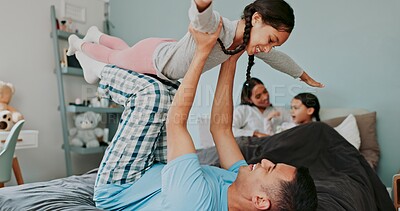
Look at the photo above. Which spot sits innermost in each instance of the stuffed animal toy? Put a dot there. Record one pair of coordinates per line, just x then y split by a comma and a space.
6, 92
6, 122
86, 133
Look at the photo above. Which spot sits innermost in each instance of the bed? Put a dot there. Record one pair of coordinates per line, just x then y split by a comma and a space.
71, 193
365, 128
344, 178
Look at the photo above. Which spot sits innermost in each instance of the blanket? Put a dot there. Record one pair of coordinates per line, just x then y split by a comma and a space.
70, 193
343, 178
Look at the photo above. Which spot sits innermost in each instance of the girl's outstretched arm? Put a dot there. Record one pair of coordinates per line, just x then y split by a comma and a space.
310, 81
283, 63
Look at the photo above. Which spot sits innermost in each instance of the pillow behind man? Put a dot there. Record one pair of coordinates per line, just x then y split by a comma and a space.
366, 123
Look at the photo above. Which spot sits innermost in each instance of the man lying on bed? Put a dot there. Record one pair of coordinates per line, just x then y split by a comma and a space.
182, 184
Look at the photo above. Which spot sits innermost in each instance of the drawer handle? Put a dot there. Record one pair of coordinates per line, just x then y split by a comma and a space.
18, 140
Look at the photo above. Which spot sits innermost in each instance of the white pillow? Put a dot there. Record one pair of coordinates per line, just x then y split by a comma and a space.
349, 130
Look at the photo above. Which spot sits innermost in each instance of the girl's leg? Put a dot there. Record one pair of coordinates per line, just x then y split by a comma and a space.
96, 36
113, 42
138, 58
91, 68
98, 52
75, 44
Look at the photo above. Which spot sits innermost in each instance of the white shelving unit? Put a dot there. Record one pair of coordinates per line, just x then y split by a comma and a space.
58, 35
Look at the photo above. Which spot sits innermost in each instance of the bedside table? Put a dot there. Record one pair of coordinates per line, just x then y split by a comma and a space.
26, 139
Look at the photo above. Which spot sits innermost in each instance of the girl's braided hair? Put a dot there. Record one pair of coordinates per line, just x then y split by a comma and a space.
276, 13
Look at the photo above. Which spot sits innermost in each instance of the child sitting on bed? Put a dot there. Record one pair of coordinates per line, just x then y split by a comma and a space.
265, 24
304, 108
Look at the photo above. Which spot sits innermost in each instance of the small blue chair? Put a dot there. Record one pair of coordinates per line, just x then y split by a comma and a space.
7, 153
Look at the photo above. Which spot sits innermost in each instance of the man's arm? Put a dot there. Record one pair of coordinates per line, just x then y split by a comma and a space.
179, 141
221, 116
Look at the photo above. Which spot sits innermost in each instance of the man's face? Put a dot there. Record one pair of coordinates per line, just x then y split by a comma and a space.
266, 174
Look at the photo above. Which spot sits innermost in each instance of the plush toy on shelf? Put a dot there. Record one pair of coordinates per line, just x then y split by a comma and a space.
9, 114
86, 133
6, 122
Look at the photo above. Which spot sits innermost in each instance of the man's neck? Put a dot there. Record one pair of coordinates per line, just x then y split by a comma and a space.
237, 200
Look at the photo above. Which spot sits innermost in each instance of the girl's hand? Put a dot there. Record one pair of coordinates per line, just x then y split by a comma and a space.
273, 114
259, 135
310, 81
205, 41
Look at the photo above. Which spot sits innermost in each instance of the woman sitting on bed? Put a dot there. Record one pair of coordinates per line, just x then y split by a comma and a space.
249, 118
256, 116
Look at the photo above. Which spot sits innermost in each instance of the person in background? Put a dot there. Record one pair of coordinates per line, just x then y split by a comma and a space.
304, 108
256, 116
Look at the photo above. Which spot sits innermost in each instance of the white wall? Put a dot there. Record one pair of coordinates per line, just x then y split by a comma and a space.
28, 62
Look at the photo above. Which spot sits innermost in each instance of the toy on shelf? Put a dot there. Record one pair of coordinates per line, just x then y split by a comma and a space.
9, 115
86, 133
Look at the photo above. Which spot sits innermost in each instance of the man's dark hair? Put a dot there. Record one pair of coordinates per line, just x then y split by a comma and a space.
299, 194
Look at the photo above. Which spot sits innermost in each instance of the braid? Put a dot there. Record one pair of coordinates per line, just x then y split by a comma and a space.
230, 52
248, 71
248, 13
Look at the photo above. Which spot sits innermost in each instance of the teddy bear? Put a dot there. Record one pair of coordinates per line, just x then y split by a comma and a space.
6, 122
86, 133
6, 92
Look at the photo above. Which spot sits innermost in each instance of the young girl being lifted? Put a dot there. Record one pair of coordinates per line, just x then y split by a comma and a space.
264, 25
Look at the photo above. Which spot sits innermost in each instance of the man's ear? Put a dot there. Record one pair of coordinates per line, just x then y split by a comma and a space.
310, 111
261, 202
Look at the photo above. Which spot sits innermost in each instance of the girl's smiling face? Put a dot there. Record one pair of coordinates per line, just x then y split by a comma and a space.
264, 37
260, 96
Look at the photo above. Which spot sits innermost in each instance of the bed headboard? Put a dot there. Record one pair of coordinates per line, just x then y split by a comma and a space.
329, 113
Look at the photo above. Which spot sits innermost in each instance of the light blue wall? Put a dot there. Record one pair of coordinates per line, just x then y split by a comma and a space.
351, 46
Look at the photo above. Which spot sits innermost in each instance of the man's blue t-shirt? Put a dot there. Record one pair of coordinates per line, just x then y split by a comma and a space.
182, 184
